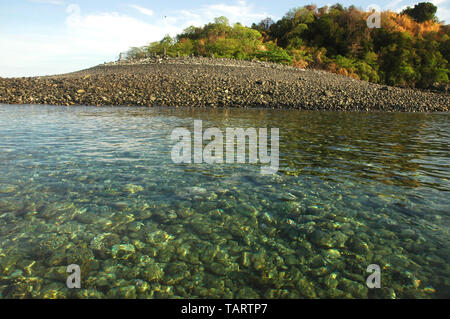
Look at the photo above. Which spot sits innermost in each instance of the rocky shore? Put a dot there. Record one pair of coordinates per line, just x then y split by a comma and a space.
203, 82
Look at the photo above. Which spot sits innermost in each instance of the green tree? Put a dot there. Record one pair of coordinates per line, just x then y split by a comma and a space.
136, 53
222, 21
264, 25
422, 12
431, 66
274, 53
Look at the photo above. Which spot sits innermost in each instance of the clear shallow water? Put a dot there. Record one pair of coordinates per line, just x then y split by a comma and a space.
96, 187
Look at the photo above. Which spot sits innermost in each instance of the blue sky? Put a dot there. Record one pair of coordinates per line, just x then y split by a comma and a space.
41, 37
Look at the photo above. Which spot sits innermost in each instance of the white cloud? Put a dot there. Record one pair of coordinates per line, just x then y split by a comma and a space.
394, 5
111, 33
55, 2
443, 11
443, 14
241, 12
84, 41
439, 2
142, 10
88, 39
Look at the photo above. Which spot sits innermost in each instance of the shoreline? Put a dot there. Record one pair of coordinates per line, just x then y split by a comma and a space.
213, 83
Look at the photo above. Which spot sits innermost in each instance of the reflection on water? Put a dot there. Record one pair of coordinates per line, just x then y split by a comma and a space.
96, 187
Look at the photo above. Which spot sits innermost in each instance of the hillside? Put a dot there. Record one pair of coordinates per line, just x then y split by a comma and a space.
410, 49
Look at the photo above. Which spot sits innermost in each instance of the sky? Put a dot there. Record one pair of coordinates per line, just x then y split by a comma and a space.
44, 37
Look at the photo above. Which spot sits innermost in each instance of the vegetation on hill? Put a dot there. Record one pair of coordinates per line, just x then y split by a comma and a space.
410, 49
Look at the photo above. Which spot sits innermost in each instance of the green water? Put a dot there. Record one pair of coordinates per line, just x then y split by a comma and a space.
97, 187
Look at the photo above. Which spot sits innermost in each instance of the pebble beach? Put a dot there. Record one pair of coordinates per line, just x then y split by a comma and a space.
206, 82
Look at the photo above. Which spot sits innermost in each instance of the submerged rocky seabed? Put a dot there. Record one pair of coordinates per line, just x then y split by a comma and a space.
96, 187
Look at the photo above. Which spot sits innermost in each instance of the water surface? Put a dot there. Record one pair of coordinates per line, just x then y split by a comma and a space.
96, 187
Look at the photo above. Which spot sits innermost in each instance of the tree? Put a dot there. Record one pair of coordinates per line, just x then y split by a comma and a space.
222, 21
274, 54
424, 11
264, 25
136, 53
